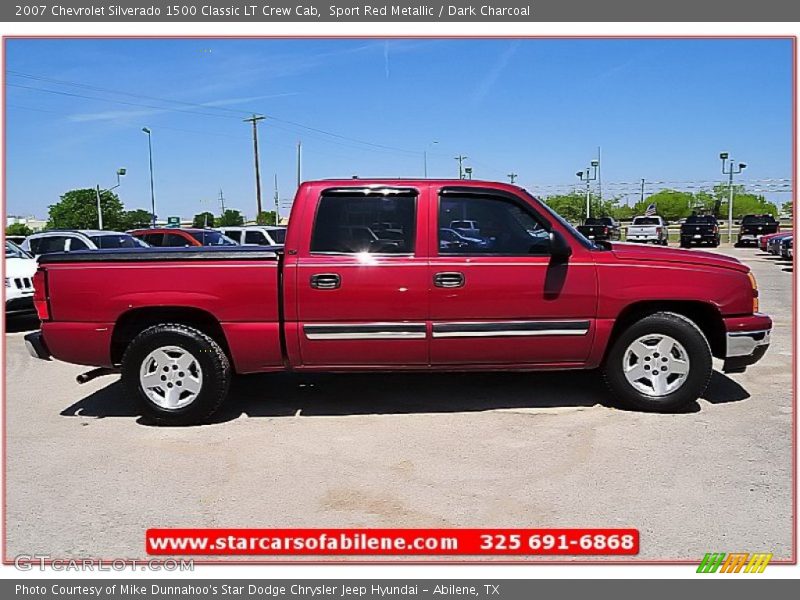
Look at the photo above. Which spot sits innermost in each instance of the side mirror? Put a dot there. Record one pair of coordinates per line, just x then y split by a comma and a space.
559, 248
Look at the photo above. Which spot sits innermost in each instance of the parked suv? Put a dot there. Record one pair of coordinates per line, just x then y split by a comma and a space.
256, 235
20, 269
181, 238
70, 240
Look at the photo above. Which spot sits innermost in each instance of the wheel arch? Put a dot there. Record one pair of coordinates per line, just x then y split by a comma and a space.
705, 315
132, 322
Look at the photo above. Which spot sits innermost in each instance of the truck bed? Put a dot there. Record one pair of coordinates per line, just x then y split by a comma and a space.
238, 287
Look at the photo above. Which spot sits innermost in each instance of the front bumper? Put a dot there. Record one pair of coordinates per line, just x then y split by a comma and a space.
745, 347
34, 342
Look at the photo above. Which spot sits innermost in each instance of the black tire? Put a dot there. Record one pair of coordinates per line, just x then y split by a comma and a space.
698, 351
686, 244
214, 369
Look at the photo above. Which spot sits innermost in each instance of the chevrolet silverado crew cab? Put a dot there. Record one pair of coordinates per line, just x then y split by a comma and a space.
344, 295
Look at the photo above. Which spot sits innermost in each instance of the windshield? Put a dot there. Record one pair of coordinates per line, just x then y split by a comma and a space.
117, 240
279, 235
647, 221
212, 238
14, 251
707, 219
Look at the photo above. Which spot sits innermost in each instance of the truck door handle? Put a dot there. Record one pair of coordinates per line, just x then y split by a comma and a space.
448, 280
326, 281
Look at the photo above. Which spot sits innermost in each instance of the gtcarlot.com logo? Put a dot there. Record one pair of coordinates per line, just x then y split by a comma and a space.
42, 562
735, 562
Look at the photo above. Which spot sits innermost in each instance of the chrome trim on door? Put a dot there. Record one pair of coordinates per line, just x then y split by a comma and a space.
509, 328
365, 331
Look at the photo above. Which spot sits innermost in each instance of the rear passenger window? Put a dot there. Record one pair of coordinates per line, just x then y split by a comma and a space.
154, 239
77, 244
256, 237
346, 223
176, 241
236, 236
48, 245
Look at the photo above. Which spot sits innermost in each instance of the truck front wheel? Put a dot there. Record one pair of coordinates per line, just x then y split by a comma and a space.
178, 374
661, 363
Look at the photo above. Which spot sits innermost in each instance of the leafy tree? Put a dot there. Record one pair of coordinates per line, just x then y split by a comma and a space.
570, 206
622, 212
77, 209
267, 217
137, 219
19, 229
788, 207
670, 204
204, 219
231, 218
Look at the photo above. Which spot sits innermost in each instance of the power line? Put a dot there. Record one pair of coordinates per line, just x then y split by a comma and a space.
236, 113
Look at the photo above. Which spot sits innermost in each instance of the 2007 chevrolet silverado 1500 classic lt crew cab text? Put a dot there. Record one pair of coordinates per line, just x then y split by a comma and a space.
346, 296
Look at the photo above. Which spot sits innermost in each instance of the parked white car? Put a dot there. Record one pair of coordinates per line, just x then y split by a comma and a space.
48, 242
650, 230
20, 268
256, 235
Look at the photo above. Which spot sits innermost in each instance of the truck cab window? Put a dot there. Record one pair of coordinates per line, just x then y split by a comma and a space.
475, 225
355, 223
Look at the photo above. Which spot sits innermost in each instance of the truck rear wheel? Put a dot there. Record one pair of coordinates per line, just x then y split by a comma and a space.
661, 363
178, 374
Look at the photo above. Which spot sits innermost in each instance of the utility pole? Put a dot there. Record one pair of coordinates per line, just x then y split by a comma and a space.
460, 158
254, 120
221, 202
299, 162
512, 177
277, 204
599, 180
642, 194
730, 172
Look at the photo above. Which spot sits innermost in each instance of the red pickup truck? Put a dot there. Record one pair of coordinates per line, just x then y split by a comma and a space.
368, 281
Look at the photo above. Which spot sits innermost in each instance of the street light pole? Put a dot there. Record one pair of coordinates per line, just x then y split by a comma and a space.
731, 170
120, 173
588, 176
425, 158
152, 188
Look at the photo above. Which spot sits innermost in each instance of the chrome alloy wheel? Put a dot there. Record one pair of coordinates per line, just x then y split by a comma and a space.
656, 364
171, 377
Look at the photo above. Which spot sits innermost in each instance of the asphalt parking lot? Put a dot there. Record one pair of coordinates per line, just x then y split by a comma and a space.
86, 477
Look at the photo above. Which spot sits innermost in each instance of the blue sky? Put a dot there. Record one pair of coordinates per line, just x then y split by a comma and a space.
660, 109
